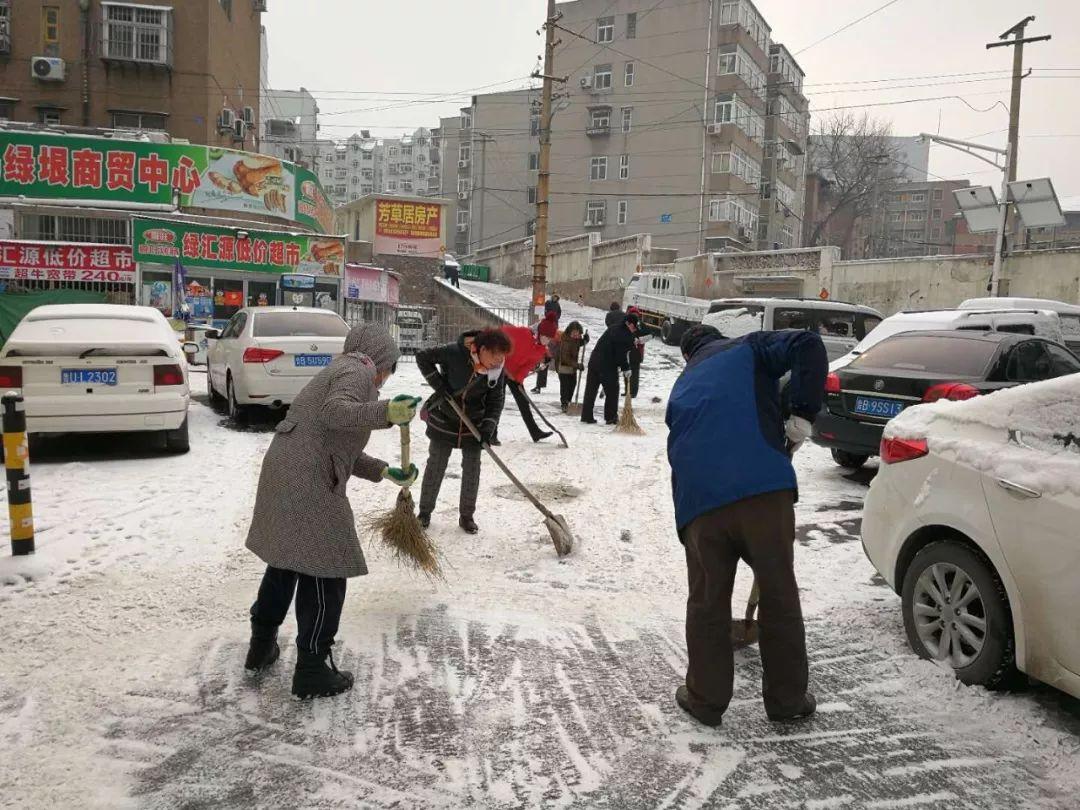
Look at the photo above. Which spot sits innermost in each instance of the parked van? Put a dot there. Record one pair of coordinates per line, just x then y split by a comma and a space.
841, 325
1044, 323
1069, 314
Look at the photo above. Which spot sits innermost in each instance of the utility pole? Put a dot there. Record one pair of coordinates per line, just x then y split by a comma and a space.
484, 138
1017, 44
543, 186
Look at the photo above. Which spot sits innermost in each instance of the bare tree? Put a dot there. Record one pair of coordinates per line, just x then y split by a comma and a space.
858, 164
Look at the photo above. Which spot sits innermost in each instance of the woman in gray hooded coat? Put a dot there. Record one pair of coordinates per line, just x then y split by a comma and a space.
303, 526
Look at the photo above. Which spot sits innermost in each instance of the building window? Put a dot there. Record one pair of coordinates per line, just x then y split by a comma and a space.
340, 174
624, 167
602, 77
391, 185
918, 197
56, 228
631, 25
49, 116
896, 216
594, 212
628, 75
328, 174
340, 190
355, 181
7, 108
50, 30
939, 194
598, 168
366, 189
366, 156
742, 13
406, 151
464, 185
627, 118
464, 152
393, 151
462, 220
605, 29
466, 119
936, 232
534, 161
406, 185
620, 216
730, 109
917, 216
733, 209
600, 118
226, 6
534, 125
936, 213
734, 61
125, 119
137, 33
531, 195
5, 26
737, 162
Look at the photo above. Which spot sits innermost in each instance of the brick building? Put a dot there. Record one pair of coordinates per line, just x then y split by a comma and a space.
151, 65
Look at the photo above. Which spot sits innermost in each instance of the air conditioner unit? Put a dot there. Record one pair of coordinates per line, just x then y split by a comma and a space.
586, 82
594, 224
715, 129
47, 68
463, 164
249, 116
227, 120
462, 227
239, 130
258, 6
463, 195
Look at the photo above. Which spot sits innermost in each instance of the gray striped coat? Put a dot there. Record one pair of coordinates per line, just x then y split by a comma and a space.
303, 521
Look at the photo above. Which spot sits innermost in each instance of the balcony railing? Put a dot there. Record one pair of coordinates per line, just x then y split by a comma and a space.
598, 130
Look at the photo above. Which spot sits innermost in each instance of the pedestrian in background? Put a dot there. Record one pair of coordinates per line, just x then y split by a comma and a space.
471, 373
553, 305
452, 271
568, 361
614, 316
609, 358
303, 527
734, 489
546, 332
637, 356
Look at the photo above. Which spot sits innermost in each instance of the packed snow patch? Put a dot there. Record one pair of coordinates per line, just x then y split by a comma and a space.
734, 323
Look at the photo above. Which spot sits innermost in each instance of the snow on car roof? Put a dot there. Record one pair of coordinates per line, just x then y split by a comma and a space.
119, 312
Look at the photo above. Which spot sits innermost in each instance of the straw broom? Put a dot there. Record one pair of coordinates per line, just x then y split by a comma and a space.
627, 423
400, 529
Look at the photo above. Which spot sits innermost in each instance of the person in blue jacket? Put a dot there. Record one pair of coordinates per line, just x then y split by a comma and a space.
734, 487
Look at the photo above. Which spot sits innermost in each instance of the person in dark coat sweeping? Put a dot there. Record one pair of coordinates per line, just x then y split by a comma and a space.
303, 527
471, 372
614, 316
734, 488
568, 361
609, 358
637, 356
553, 305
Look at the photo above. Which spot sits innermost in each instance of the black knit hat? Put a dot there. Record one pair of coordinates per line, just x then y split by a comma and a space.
697, 336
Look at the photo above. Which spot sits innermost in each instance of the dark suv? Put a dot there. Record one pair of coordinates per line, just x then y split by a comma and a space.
916, 367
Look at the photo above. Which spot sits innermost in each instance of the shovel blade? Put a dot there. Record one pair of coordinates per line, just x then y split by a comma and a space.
561, 535
744, 632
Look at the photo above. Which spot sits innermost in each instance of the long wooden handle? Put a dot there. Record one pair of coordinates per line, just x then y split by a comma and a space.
506, 470
405, 442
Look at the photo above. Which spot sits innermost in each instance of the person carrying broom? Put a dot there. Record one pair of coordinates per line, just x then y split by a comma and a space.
303, 527
734, 489
610, 356
568, 361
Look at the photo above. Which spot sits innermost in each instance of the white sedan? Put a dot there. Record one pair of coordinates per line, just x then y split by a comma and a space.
974, 519
266, 355
99, 368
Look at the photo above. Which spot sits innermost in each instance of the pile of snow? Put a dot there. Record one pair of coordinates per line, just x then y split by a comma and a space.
1043, 418
734, 323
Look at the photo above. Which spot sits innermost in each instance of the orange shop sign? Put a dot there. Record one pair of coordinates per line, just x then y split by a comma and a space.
404, 227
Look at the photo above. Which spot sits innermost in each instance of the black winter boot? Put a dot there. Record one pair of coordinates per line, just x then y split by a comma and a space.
263, 649
424, 518
313, 678
468, 524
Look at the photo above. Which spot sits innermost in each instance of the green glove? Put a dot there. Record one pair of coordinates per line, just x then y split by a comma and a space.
402, 409
398, 476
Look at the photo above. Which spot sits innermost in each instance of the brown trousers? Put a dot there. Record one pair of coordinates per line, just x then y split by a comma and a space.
761, 531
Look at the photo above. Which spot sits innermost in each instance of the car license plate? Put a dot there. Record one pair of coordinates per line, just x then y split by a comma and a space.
312, 360
88, 376
872, 406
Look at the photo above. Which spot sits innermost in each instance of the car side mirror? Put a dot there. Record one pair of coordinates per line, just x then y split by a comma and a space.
212, 334
190, 349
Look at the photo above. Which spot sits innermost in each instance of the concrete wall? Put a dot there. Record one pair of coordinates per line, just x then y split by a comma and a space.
757, 273
459, 311
416, 275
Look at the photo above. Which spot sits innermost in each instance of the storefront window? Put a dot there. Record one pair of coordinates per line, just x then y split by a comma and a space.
157, 292
326, 296
228, 298
261, 293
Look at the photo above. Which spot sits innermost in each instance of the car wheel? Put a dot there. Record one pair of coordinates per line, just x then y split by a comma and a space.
176, 441
670, 332
211, 392
237, 412
849, 461
956, 612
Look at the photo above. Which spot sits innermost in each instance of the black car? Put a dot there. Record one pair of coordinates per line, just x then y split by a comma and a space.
915, 367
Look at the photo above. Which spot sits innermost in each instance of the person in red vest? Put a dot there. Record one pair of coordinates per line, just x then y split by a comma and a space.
547, 331
520, 363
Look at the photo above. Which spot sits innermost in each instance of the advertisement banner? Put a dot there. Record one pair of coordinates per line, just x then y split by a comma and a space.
405, 228
163, 241
366, 283
65, 261
85, 168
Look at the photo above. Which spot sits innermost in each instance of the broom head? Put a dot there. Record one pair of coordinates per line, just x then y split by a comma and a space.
627, 423
401, 532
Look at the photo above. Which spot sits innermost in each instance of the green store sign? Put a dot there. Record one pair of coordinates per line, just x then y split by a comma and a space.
165, 241
81, 168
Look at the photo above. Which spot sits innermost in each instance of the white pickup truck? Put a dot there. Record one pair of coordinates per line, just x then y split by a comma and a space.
664, 304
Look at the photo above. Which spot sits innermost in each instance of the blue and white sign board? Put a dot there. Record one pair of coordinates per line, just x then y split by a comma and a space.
665, 218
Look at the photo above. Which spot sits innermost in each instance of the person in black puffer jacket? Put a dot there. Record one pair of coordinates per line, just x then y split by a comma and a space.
471, 372
610, 357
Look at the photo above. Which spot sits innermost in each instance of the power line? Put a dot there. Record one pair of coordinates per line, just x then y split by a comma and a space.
843, 28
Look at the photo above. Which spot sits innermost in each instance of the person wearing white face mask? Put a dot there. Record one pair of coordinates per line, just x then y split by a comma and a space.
471, 372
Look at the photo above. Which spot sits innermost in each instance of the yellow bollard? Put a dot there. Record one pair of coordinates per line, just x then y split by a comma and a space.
17, 466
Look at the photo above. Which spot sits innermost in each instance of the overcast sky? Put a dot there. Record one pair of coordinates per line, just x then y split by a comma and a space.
361, 57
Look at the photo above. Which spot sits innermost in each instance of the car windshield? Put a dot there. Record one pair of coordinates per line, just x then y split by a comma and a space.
299, 324
935, 354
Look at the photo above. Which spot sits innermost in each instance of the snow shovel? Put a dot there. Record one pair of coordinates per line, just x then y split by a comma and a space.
543, 418
574, 408
559, 529
744, 632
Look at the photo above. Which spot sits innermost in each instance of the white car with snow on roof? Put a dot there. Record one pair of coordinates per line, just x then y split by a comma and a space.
973, 519
99, 368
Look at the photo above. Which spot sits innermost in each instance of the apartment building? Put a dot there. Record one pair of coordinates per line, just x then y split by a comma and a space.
363, 165
914, 219
148, 65
784, 167
289, 126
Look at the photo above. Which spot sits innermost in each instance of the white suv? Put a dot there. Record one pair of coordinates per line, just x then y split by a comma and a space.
266, 355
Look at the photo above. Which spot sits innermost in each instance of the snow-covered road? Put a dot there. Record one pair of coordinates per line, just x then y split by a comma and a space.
523, 681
